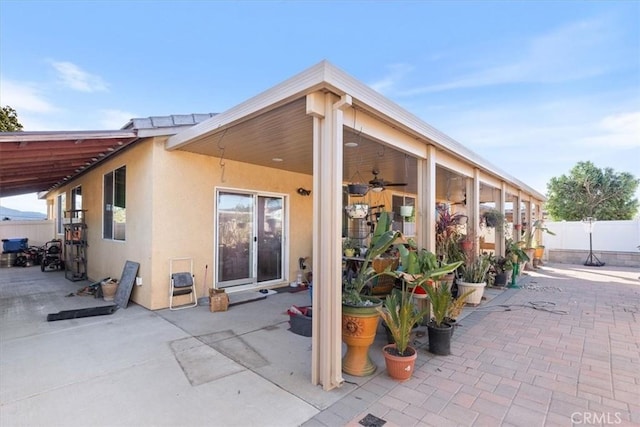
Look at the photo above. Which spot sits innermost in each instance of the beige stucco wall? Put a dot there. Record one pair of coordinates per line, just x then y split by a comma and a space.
170, 214
106, 258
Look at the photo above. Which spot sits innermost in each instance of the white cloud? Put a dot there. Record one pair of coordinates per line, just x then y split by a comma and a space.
24, 97
575, 51
76, 78
115, 119
397, 73
617, 130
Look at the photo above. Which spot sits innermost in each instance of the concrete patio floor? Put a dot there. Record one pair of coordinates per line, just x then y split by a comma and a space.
562, 350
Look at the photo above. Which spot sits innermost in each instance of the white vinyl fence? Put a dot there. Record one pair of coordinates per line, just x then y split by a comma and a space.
614, 242
38, 232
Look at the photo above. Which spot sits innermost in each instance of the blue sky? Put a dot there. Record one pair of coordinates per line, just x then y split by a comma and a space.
534, 87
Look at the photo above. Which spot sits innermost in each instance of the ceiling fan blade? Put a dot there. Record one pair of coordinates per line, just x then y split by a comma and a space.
395, 184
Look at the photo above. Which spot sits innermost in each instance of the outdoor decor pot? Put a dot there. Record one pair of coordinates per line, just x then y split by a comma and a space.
357, 189
357, 210
440, 338
399, 367
501, 279
359, 326
406, 211
475, 297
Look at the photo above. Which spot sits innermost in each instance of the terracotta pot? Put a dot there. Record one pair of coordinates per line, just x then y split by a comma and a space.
359, 326
399, 367
466, 245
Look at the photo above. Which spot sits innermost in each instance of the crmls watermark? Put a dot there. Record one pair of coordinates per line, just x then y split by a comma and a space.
604, 418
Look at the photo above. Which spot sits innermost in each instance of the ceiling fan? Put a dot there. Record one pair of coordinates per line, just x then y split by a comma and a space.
379, 184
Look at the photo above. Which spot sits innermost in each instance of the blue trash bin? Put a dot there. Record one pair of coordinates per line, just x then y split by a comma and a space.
14, 245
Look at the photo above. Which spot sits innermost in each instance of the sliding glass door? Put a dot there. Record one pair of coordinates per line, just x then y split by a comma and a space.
249, 233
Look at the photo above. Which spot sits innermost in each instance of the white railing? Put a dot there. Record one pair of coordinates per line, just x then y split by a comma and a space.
38, 232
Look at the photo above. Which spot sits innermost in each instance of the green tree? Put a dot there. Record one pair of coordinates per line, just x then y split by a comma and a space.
591, 192
9, 120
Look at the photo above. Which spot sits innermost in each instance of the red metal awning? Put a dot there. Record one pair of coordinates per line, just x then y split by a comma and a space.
40, 161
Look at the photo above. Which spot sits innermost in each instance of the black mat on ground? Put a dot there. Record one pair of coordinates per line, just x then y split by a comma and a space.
290, 289
82, 312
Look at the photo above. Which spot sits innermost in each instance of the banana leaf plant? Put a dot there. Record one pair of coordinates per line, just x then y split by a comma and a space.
399, 312
382, 240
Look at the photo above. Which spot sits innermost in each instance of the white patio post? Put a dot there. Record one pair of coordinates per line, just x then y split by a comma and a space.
326, 362
500, 205
473, 207
427, 200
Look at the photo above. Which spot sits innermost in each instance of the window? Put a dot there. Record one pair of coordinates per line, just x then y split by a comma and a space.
114, 209
76, 198
62, 206
404, 221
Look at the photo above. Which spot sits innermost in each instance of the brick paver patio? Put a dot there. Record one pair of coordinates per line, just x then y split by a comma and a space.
563, 350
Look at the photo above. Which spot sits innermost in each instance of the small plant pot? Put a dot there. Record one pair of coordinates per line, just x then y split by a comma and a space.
109, 289
406, 211
439, 339
453, 323
357, 210
399, 367
501, 279
357, 189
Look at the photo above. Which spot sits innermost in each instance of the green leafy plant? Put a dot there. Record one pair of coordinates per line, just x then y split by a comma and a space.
441, 299
418, 269
531, 232
494, 218
475, 271
382, 240
502, 264
515, 252
448, 235
457, 304
400, 315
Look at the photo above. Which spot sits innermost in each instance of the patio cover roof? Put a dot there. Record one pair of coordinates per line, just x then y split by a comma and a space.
41, 161
38, 161
276, 125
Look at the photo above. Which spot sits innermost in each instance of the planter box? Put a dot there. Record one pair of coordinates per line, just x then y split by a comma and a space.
476, 297
301, 323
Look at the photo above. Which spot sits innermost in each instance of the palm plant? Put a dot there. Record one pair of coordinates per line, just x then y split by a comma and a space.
476, 270
399, 312
441, 299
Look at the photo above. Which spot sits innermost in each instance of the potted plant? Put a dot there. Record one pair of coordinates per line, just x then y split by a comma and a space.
517, 256
502, 267
474, 276
400, 316
448, 236
419, 271
359, 312
438, 329
529, 238
455, 309
349, 247
493, 218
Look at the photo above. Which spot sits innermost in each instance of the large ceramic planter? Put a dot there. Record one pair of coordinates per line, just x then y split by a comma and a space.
440, 338
475, 297
399, 367
359, 326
